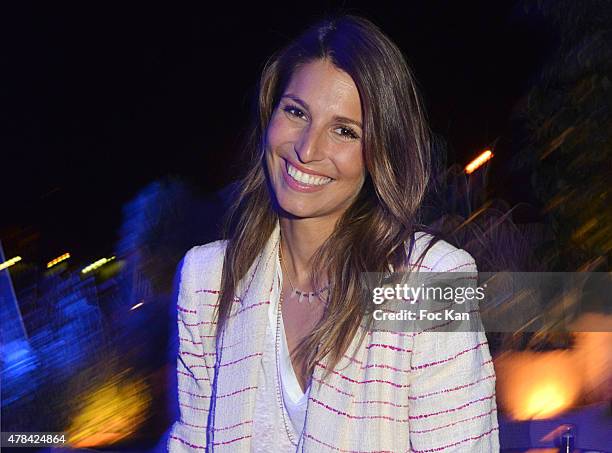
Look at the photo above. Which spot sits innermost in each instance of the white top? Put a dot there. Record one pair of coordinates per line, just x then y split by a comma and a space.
295, 400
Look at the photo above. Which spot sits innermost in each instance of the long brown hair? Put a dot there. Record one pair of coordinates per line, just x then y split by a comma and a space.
396, 147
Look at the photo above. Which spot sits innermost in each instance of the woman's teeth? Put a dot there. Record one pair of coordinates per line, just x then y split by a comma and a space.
304, 178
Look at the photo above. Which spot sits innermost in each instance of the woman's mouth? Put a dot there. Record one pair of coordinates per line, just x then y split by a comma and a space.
304, 182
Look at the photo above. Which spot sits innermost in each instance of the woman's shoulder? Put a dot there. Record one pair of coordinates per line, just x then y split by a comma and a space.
204, 260
441, 257
206, 253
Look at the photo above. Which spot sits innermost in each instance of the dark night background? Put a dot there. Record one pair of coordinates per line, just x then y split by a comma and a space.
100, 100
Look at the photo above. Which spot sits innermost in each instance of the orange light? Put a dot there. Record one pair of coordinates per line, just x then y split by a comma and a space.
110, 413
537, 385
479, 161
57, 260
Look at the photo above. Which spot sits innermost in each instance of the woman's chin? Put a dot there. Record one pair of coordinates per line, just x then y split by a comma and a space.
300, 213
297, 209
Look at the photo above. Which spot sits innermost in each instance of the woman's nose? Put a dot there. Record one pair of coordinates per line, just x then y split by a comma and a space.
309, 147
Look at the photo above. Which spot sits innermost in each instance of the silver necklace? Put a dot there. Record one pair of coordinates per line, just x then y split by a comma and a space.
294, 290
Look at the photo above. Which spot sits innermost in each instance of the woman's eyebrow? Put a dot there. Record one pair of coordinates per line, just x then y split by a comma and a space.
342, 119
297, 99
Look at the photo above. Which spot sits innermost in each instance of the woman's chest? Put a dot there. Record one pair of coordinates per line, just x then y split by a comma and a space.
299, 319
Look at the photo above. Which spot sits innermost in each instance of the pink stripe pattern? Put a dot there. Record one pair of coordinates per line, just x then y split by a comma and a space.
387, 346
437, 428
356, 417
449, 390
454, 409
375, 365
366, 381
311, 437
184, 442
468, 439
438, 362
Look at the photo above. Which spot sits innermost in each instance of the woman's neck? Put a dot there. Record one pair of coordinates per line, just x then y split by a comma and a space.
300, 240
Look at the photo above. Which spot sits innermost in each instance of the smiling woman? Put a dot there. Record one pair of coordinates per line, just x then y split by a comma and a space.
313, 149
340, 164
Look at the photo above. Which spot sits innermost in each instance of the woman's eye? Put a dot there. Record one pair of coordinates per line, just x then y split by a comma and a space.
294, 111
348, 133
345, 132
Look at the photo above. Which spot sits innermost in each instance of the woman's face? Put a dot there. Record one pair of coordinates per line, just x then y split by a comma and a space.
314, 143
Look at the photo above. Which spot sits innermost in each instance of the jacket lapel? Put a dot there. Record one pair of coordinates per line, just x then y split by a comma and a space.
241, 350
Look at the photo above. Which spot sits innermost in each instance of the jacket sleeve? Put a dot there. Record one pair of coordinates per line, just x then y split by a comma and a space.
188, 434
452, 405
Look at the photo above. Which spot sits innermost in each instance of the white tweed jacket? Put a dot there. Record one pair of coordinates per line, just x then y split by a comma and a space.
397, 392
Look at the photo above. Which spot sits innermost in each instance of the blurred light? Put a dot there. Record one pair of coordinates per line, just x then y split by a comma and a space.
95, 265
547, 400
593, 344
139, 304
9, 263
537, 385
479, 161
110, 413
57, 260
